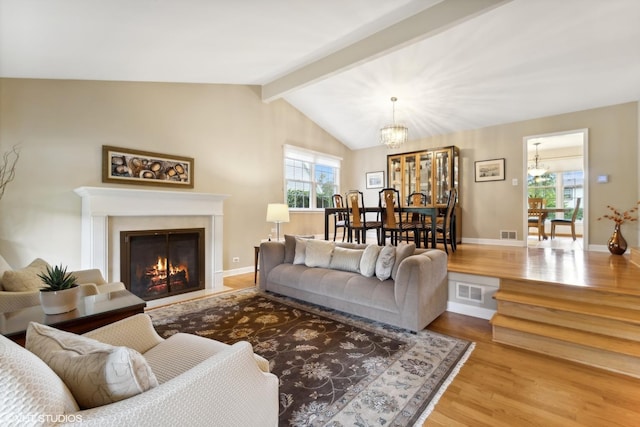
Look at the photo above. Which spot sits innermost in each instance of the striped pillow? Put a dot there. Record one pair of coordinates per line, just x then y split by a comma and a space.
346, 259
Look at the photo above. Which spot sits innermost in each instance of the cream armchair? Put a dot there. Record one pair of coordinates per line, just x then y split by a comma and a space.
91, 283
202, 382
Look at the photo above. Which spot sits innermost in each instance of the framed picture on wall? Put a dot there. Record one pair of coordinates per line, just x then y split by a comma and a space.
127, 166
375, 179
490, 170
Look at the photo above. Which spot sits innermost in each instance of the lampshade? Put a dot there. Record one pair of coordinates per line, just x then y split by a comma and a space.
394, 134
277, 212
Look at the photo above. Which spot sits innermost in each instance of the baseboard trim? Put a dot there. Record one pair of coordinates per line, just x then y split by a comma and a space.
237, 271
467, 310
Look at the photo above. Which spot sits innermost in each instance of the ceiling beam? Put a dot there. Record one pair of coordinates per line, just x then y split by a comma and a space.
422, 25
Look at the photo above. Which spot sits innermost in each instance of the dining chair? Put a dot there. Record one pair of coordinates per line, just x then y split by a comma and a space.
570, 222
357, 217
391, 215
446, 228
417, 219
340, 219
536, 216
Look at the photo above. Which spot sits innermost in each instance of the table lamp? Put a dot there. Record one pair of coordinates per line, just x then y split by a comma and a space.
277, 212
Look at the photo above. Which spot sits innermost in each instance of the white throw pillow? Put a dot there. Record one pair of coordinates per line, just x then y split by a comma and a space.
318, 253
346, 259
96, 373
301, 250
25, 279
368, 260
384, 263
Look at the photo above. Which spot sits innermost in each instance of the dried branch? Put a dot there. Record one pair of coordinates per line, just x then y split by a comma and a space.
8, 167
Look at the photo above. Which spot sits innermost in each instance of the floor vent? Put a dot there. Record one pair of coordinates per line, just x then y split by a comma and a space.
508, 235
469, 292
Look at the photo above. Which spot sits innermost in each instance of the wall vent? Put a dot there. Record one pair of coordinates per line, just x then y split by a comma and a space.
508, 235
469, 292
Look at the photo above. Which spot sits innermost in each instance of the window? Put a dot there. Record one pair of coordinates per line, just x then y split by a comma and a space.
310, 178
559, 189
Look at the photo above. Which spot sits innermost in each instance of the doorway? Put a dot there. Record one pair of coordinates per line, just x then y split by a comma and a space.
555, 169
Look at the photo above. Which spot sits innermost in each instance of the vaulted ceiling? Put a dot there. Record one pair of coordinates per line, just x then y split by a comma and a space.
452, 64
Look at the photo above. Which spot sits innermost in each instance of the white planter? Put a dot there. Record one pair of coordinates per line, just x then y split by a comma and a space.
60, 301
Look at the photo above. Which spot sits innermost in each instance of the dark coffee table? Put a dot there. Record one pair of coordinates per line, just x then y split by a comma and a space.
93, 312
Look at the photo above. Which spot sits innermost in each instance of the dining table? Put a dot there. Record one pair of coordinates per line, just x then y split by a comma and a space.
431, 211
544, 213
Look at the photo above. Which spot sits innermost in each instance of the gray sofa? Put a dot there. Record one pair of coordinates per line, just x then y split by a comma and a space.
412, 299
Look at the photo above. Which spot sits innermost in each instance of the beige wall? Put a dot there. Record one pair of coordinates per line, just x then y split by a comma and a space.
235, 138
237, 141
489, 207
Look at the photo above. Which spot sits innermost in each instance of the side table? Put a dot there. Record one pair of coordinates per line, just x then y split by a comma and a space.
255, 264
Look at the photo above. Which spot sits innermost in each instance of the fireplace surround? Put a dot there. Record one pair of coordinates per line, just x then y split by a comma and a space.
102, 205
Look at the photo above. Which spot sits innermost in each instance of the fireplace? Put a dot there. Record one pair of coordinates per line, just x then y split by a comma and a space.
161, 263
107, 211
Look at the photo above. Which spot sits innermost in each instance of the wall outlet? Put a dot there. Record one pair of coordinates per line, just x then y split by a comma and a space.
236, 259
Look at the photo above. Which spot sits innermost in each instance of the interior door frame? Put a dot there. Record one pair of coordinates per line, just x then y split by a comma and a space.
585, 169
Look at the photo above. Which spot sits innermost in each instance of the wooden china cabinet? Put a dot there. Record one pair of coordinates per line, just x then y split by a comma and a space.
432, 172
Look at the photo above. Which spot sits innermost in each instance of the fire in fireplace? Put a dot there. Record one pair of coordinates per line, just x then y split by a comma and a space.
160, 263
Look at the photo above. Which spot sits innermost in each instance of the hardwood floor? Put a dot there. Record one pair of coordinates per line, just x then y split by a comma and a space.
500, 385
505, 386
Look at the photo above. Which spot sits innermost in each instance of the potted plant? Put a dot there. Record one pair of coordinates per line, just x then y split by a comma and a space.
60, 293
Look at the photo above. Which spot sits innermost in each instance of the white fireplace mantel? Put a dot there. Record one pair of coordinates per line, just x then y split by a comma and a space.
100, 203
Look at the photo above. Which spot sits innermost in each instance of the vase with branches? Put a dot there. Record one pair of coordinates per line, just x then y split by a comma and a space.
617, 244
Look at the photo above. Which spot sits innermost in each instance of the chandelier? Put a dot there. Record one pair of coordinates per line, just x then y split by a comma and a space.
394, 134
536, 168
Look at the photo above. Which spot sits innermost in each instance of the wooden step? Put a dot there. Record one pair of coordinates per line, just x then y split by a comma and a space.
572, 293
588, 317
606, 352
635, 256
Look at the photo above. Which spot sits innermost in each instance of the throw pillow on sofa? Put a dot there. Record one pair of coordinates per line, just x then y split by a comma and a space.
318, 253
25, 279
4, 266
301, 251
346, 259
368, 260
385, 261
290, 247
96, 373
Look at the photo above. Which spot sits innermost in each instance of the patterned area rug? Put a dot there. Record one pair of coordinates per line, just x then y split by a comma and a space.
334, 369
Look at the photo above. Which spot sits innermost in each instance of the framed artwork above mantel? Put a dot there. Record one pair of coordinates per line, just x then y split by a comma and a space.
127, 166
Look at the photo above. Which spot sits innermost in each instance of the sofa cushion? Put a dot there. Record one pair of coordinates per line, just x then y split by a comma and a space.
385, 261
290, 247
368, 260
346, 259
95, 372
403, 250
29, 387
4, 266
301, 251
318, 253
25, 279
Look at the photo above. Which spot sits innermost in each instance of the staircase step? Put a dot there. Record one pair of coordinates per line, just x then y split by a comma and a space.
595, 318
571, 293
610, 353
